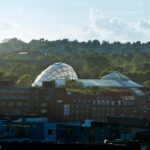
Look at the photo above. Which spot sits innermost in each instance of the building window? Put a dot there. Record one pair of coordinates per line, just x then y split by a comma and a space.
77, 112
107, 109
132, 115
94, 108
82, 112
19, 103
121, 115
131, 102
112, 103
51, 132
3, 103
103, 102
94, 102
134, 110
43, 111
77, 118
26, 104
47, 98
72, 105
72, 111
82, 106
11, 104
107, 114
77, 105
93, 114
141, 115
98, 102
107, 102
125, 103
43, 104
112, 109
119, 102
98, 109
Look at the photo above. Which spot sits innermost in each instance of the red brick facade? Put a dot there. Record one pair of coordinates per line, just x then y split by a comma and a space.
59, 105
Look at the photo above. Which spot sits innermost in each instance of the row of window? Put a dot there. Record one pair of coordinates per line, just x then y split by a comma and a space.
14, 104
93, 112
95, 115
131, 115
22, 91
82, 107
15, 97
108, 103
100, 100
20, 104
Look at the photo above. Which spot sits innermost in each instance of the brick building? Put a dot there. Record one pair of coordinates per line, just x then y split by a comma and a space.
33, 101
59, 105
99, 107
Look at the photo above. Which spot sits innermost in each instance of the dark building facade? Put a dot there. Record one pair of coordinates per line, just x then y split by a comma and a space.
59, 105
99, 107
33, 101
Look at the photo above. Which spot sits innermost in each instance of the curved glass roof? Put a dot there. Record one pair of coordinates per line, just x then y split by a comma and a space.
112, 80
56, 71
61, 72
103, 83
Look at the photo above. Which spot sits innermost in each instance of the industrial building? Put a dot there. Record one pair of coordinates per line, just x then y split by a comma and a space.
46, 99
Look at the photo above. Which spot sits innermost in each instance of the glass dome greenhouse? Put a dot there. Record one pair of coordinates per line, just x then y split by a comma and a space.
56, 71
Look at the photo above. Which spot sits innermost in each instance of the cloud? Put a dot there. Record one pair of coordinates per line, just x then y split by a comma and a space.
14, 29
98, 26
4, 26
141, 27
102, 27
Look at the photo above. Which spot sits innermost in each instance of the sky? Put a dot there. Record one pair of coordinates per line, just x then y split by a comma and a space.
82, 20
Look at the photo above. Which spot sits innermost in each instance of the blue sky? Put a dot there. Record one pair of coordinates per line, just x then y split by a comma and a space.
111, 20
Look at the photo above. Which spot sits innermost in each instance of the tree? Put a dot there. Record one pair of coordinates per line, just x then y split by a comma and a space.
127, 67
146, 84
73, 84
96, 44
1, 75
94, 64
97, 61
25, 80
139, 61
146, 66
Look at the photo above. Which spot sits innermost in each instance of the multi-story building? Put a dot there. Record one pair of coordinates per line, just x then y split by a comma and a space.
99, 107
44, 99
33, 101
59, 105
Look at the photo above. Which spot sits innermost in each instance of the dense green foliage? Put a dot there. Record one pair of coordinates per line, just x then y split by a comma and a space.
82, 56
72, 84
77, 87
